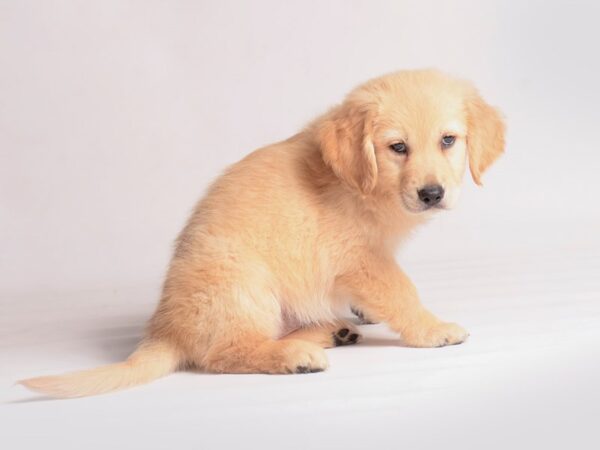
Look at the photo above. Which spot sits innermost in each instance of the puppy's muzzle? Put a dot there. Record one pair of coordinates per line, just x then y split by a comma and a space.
431, 195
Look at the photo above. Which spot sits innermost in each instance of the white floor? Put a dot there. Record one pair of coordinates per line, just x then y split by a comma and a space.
527, 378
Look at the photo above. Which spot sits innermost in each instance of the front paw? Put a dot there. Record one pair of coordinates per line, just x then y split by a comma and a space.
437, 335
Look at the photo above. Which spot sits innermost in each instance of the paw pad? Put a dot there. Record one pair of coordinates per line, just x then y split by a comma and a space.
308, 369
345, 337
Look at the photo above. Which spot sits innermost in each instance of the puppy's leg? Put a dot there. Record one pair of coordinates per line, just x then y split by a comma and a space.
385, 293
225, 317
257, 354
329, 335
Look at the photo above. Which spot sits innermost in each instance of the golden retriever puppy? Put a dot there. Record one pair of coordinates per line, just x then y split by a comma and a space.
294, 231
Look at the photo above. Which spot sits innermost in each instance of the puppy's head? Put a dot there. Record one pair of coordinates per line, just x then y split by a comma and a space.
410, 135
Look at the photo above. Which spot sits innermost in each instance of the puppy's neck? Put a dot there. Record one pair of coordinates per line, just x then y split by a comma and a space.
381, 214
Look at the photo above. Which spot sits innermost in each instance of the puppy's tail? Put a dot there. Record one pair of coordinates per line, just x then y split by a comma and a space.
150, 361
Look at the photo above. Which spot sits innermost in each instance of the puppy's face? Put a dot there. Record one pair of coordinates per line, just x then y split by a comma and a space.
411, 135
421, 149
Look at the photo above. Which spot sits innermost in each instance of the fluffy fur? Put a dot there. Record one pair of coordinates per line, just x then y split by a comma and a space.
297, 229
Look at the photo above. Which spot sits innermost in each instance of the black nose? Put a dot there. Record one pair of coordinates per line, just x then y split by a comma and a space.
431, 195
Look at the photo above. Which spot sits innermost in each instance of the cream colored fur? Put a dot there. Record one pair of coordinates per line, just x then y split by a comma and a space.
290, 234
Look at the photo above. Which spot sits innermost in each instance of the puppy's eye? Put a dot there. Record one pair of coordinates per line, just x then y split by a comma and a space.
448, 141
399, 147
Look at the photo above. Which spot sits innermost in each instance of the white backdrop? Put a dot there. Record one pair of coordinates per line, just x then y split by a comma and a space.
115, 115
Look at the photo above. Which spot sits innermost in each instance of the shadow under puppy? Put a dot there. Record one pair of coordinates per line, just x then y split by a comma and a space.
284, 236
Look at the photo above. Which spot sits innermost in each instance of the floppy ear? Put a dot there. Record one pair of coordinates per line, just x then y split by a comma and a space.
345, 137
485, 135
